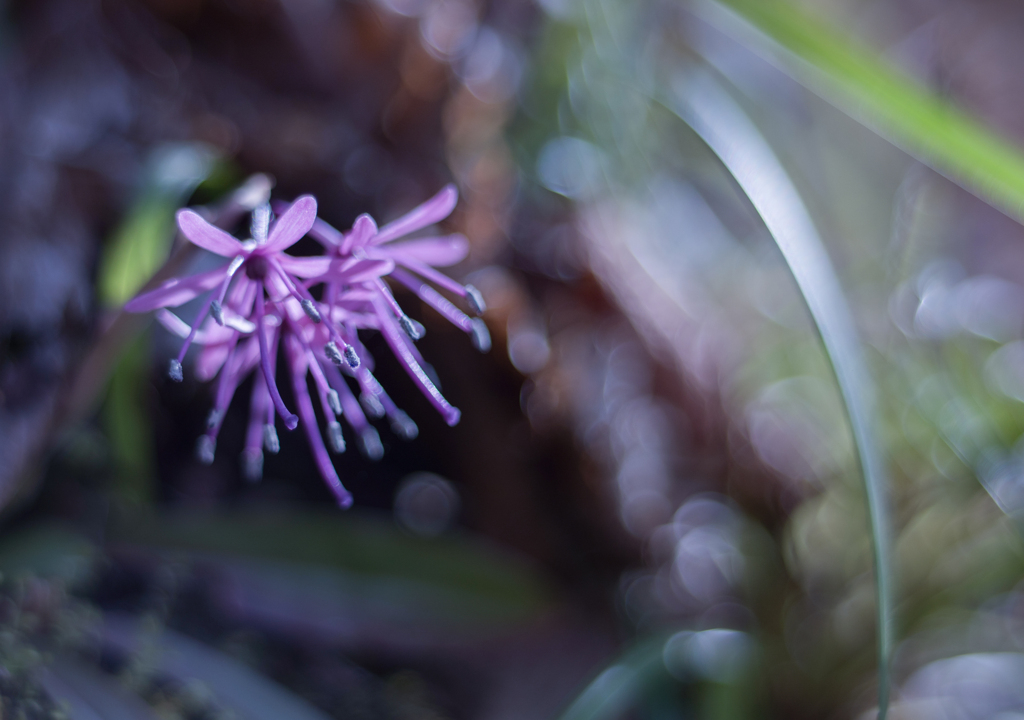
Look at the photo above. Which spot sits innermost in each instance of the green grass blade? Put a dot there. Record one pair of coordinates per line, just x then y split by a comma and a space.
852, 77
609, 694
721, 123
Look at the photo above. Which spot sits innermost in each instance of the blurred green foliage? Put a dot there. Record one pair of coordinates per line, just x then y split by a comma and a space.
943, 429
453, 580
921, 122
138, 248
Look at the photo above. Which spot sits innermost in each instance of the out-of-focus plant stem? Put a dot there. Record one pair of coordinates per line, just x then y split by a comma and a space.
703, 105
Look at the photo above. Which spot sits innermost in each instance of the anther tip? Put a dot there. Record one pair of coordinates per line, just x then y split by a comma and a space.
481, 336
252, 464
352, 357
369, 443
270, 440
174, 371
335, 437
334, 401
372, 404
291, 422
476, 300
333, 354
403, 426
206, 448
218, 312
345, 501
452, 417
412, 328
310, 309
213, 419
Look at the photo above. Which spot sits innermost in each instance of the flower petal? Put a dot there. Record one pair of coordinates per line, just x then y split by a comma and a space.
356, 271
433, 210
305, 267
363, 230
210, 360
296, 222
177, 291
435, 251
325, 234
206, 236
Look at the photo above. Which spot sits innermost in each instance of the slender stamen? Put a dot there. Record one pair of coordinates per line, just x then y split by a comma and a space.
175, 373
349, 404
412, 328
299, 292
308, 305
218, 312
432, 374
385, 291
296, 356
370, 397
323, 388
401, 424
399, 346
216, 306
427, 272
290, 421
252, 455
237, 366
435, 299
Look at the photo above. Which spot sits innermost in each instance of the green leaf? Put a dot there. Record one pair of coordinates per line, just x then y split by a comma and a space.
138, 248
703, 105
852, 77
451, 580
141, 243
619, 685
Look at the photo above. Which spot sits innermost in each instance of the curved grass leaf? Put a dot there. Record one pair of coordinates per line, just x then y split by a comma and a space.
703, 105
609, 694
853, 78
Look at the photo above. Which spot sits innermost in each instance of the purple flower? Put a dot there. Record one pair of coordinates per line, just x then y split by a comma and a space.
260, 302
414, 262
253, 311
